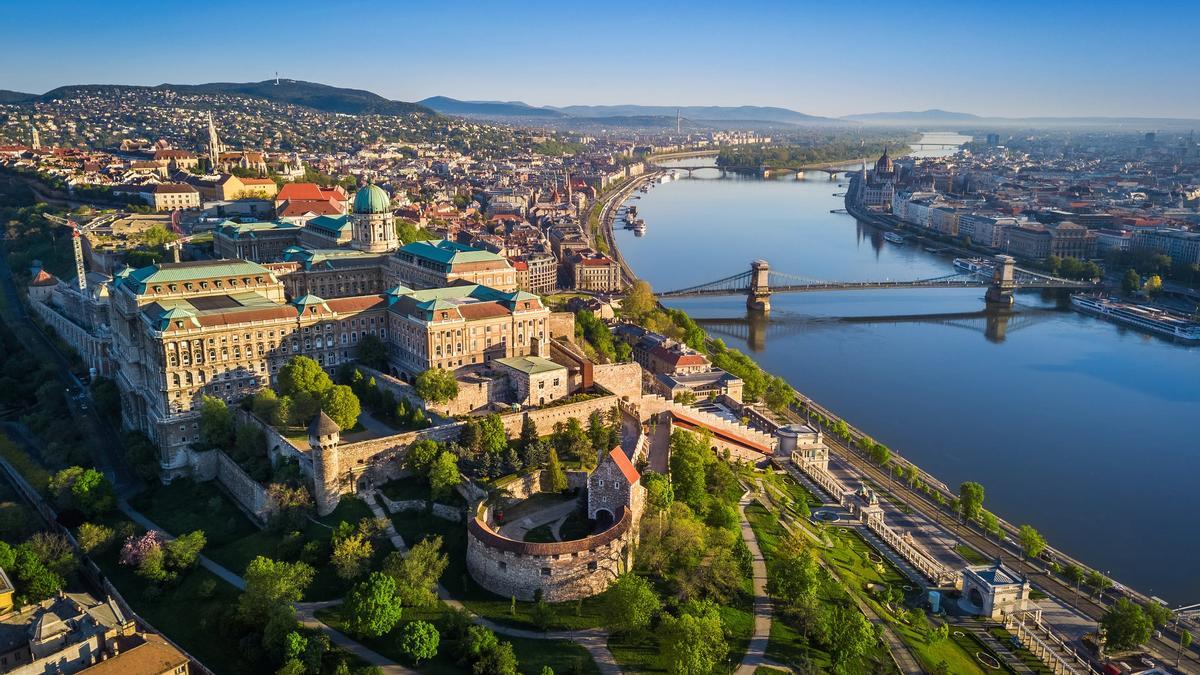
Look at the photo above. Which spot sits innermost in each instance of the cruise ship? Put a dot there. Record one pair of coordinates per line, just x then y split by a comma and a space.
973, 265
1150, 319
894, 238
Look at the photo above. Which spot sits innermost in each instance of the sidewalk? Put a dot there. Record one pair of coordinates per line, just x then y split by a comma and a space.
207, 563
756, 653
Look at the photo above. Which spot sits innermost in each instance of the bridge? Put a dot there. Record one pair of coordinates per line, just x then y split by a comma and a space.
762, 169
760, 282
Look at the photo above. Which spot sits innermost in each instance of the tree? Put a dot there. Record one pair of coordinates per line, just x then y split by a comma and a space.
630, 604
536, 455
372, 608
444, 476
183, 551
478, 641
1098, 582
1032, 542
85, 489
419, 640
499, 660
266, 405
417, 572
302, 374
689, 458
94, 538
795, 577
970, 499
269, 582
216, 423
529, 435
639, 300
372, 353
351, 555
554, 473
989, 522
694, 643
342, 406
850, 634
1074, 574
1185, 641
493, 437
1126, 625
1154, 286
1158, 613
437, 385
659, 493
1131, 283
421, 456
598, 433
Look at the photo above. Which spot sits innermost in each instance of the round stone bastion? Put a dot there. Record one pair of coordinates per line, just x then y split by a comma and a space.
561, 570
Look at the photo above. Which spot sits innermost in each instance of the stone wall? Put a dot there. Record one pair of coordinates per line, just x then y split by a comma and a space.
622, 379
563, 571
546, 418
248, 493
562, 325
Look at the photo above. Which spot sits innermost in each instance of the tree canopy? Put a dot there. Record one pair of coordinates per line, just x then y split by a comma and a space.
372, 608
302, 374
1126, 625
437, 385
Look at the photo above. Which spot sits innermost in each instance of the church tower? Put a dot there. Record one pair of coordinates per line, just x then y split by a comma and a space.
214, 144
35, 139
374, 231
323, 437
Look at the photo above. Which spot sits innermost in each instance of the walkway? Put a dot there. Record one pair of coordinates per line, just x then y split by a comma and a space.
756, 653
1017, 665
517, 529
306, 615
207, 563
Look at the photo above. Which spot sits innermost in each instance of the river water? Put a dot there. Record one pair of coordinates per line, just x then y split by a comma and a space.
1080, 427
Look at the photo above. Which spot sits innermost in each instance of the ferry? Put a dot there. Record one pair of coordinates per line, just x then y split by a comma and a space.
1149, 319
894, 238
973, 265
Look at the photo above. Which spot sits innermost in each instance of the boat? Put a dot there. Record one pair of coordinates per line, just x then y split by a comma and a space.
1143, 317
973, 265
894, 238
936, 249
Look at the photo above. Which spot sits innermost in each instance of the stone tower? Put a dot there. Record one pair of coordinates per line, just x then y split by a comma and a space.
323, 437
374, 231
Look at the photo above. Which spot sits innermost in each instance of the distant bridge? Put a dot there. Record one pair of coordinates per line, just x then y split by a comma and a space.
762, 170
760, 282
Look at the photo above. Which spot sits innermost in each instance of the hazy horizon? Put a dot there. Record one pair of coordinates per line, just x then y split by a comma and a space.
1023, 59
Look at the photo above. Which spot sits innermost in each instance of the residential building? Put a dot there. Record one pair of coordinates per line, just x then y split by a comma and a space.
172, 196
1183, 246
66, 633
594, 271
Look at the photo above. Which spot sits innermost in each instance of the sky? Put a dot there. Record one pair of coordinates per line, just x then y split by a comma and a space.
1017, 58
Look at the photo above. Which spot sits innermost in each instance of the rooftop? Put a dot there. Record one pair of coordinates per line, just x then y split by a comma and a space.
530, 365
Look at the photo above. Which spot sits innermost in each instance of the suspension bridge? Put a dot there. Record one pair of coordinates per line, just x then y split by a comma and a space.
760, 282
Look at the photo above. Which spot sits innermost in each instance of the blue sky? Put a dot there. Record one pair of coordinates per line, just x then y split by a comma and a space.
827, 58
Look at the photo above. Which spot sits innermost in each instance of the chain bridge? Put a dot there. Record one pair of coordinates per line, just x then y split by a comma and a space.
760, 282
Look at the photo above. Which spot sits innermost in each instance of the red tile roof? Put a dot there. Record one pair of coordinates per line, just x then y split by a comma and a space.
300, 191
618, 457
355, 303
299, 207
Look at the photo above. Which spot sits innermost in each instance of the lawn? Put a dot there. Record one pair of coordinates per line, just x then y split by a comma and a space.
186, 505
415, 526
532, 654
972, 556
413, 488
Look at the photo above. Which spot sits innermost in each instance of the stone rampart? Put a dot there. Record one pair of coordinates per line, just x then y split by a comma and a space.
623, 379
250, 495
545, 418
564, 570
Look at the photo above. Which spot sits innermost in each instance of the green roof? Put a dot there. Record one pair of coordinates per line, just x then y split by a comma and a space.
372, 199
448, 252
236, 230
166, 273
530, 365
332, 224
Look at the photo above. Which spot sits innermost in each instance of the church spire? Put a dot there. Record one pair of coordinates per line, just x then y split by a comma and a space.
214, 145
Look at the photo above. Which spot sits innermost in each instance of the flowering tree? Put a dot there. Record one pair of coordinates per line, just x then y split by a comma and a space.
135, 549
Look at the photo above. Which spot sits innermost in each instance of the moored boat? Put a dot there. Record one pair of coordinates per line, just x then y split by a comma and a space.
1144, 317
894, 238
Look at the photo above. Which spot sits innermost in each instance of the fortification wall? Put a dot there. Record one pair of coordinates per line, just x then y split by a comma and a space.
546, 418
249, 494
622, 379
563, 571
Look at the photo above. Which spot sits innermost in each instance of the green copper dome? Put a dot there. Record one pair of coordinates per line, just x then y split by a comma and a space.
372, 199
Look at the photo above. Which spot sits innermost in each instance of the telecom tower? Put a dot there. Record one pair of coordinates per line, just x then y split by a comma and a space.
78, 245
678, 126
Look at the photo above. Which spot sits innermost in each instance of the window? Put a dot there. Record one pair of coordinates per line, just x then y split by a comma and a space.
592, 566
545, 571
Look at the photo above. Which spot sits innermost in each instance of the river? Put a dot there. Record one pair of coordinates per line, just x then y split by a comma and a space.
1080, 427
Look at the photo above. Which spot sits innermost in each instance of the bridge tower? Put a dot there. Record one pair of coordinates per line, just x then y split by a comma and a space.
758, 299
1000, 293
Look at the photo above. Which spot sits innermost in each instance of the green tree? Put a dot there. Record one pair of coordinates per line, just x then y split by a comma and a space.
266, 405
419, 640
1098, 582
554, 473
659, 493
216, 423
850, 635
342, 406
970, 499
351, 555
302, 374
572, 442
1158, 613
1154, 286
183, 551
630, 604
639, 300
499, 660
1032, 542
693, 643
437, 385
372, 608
1127, 626
84, 489
529, 434
372, 353
95, 538
417, 572
1185, 641
689, 459
794, 578
1074, 574
421, 456
493, 437
444, 476
1131, 283
989, 522
269, 582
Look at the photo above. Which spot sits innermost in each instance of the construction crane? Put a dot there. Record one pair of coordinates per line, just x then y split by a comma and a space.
77, 244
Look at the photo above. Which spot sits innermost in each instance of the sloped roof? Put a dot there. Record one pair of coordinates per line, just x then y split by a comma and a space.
627, 469
323, 425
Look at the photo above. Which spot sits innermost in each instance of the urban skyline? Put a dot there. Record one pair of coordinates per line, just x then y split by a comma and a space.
1018, 60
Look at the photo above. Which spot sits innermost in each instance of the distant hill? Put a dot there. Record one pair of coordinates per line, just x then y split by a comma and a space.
493, 109
912, 117
697, 113
10, 97
309, 94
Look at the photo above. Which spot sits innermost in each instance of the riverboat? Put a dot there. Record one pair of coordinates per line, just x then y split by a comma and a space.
973, 265
894, 238
1143, 317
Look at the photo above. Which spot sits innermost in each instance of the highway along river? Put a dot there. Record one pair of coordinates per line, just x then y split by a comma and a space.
1082, 428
